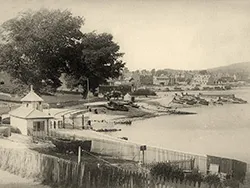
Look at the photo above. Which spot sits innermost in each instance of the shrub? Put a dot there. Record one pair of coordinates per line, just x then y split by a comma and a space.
162, 169
194, 176
212, 179
231, 183
167, 171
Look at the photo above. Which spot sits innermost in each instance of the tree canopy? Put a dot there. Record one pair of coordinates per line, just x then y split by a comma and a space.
100, 59
37, 47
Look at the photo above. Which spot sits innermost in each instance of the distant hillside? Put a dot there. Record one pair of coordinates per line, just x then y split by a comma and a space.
233, 68
241, 70
237, 68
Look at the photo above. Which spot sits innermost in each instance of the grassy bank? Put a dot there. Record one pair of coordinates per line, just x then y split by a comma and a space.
9, 180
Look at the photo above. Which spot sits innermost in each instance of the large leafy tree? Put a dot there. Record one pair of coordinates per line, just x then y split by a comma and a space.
37, 47
34, 43
99, 61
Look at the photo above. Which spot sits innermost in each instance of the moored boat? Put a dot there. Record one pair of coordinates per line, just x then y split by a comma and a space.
64, 145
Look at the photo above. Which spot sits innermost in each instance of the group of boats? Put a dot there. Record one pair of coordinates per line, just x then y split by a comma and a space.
224, 98
206, 99
120, 105
187, 99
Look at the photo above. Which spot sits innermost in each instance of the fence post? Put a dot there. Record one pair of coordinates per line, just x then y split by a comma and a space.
79, 154
58, 171
63, 121
67, 173
108, 182
88, 180
131, 181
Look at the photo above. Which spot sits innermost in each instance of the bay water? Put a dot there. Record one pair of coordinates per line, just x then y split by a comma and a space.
215, 130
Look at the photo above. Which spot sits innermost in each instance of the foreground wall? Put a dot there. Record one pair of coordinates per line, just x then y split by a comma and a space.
106, 145
63, 173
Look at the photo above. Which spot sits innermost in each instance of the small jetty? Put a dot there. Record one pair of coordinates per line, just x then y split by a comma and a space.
107, 130
119, 105
175, 112
215, 95
126, 122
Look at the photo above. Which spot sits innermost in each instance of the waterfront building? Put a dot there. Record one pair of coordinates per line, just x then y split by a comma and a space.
29, 118
200, 79
32, 120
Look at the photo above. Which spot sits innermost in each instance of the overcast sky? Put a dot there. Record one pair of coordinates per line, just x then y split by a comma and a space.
191, 34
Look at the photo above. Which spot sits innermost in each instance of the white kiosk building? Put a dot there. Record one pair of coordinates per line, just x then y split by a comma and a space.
29, 118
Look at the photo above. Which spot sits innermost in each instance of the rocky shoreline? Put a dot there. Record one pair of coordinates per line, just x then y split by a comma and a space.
164, 105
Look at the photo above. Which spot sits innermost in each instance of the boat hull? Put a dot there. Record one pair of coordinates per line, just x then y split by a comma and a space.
67, 145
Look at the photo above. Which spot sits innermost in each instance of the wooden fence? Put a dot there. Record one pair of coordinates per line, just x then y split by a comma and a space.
122, 149
64, 173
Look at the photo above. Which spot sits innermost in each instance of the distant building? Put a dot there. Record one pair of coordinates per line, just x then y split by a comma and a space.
128, 81
200, 79
124, 89
225, 80
161, 80
127, 97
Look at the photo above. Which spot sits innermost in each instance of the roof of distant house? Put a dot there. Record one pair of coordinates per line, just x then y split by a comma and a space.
29, 113
32, 97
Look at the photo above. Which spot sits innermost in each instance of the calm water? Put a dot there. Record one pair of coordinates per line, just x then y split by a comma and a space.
215, 130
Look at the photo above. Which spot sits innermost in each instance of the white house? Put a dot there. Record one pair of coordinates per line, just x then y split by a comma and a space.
127, 97
29, 118
200, 79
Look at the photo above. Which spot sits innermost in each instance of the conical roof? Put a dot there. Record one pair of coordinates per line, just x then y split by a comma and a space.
32, 97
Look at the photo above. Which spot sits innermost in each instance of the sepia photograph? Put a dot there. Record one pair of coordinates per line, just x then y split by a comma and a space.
125, 94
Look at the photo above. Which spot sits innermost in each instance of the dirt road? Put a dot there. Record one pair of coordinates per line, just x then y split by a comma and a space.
8, 180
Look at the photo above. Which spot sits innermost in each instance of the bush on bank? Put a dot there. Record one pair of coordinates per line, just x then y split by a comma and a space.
172, 173
167, 171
